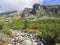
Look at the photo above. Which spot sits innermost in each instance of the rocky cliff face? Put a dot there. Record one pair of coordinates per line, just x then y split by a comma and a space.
41, 9
45, 9
38, 9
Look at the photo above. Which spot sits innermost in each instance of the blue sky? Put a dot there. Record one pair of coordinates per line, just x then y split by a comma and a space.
11, 5
51, 2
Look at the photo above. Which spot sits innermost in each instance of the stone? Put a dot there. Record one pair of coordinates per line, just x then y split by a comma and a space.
35, 43
9, 44
4, 37
25, 39
26, 42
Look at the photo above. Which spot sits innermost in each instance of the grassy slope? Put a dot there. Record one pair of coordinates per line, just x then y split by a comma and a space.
47, 24
58, 44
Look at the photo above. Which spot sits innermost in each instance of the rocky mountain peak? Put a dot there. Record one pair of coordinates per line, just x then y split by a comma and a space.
42, 9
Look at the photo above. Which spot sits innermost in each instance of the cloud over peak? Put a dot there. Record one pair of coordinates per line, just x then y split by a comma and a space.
10, 5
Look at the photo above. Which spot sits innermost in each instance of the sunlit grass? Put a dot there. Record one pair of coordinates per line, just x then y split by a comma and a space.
58, 44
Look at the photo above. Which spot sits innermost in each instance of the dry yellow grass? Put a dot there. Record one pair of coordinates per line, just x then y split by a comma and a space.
32, 31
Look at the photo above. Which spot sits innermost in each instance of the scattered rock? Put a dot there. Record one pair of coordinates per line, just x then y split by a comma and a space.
24, 38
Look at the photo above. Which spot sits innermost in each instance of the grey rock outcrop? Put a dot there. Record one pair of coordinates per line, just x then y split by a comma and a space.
45, 9
26, 12
41, 9
38, 9
25, 38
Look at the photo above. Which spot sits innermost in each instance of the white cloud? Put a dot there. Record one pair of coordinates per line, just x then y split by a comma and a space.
9, 5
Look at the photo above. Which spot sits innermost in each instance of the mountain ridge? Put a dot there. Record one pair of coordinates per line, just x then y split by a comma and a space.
37, 10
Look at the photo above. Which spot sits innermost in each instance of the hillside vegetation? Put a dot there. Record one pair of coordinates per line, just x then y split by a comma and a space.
50, 28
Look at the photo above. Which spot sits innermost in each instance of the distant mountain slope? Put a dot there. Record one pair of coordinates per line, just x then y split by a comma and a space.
36, 10
7, 13
8, 16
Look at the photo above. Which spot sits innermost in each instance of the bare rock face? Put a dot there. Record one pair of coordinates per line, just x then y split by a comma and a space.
26, 12
52, 9
41, 9
45, 9
38, 9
